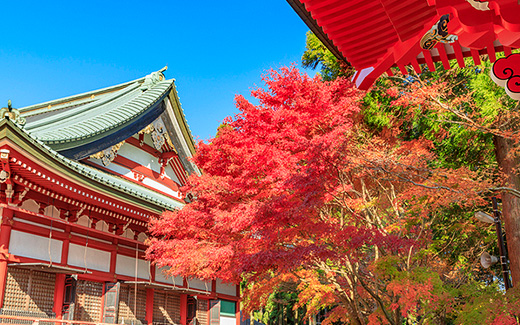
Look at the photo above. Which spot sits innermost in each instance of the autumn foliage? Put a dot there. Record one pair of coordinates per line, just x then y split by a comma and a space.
300, 190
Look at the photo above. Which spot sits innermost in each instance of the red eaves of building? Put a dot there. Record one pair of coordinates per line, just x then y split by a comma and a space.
376, 35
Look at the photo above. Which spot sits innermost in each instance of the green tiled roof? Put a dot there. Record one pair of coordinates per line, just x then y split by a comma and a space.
82, 120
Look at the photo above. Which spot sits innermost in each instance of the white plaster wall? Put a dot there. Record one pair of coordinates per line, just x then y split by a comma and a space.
125, 265
161, 277
30, 205
226, 320
113, 167
33, 246
140, 156
226, 288
199, 284
160, 187
95, 259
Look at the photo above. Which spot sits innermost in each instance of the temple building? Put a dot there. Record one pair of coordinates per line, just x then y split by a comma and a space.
80, 177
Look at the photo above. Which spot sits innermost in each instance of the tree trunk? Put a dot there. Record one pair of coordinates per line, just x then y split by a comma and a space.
509, 165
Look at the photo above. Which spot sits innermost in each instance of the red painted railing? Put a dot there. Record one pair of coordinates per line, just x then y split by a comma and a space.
8, 319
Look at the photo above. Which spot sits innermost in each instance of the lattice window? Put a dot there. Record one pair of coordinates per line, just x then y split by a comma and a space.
42, 291
88, 301
202, 311
127, 302
166, 307
31, 291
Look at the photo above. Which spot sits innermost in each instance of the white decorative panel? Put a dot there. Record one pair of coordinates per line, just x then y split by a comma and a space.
90, 258
102, 226
30, 205
226, 288
142, 237
129, 233
33, 246
199, 284
84, 221
51, 211
226, 320
125, 265
160, 276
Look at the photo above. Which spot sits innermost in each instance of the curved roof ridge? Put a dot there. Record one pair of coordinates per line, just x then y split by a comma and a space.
102, 118
30, 109
76, 112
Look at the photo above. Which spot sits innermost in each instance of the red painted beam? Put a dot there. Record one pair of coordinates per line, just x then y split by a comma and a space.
458, 54
429, 60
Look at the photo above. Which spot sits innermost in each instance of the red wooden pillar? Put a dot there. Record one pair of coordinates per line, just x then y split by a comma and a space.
184, 308
5, 237
59, 287
59, 293
113, 259
237, 313
214, 287
149, 306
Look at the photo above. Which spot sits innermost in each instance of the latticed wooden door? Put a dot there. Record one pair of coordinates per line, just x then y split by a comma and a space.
132, 305
88, 301
202, 311
214, 312
111, 302
166, 307
29, 292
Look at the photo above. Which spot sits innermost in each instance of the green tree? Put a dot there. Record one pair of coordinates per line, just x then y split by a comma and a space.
317, 55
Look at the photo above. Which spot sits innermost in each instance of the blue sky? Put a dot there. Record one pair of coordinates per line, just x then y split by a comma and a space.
214, 49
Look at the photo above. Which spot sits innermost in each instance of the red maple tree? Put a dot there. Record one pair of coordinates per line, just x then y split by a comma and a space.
297, 189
